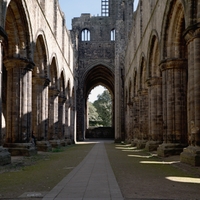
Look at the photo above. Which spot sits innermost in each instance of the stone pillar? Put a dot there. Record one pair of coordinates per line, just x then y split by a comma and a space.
5, 157
155, 113
40, 113
174, 83
129, 122
143, 118
18, 117
135, 121
191, 154
53, 134
67, 120
61, 120
72, 124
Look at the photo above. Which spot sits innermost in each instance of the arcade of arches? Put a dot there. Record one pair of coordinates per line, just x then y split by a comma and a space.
151, 68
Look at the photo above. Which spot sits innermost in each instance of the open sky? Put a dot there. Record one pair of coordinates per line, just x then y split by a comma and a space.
74, 8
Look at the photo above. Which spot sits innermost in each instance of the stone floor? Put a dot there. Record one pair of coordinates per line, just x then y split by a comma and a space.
93, 179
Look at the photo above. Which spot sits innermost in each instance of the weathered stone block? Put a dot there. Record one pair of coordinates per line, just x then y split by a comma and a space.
191, 155
152, 145
21, 149
44, 146
5, 157
168, 149
55, 143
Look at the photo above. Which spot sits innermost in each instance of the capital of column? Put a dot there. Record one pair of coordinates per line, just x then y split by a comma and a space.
143, 92
41, 80
192, 32
11, 63
53, 91
174, 63
154, 81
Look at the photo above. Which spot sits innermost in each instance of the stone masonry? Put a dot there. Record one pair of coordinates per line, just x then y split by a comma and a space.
37, 80
147, 58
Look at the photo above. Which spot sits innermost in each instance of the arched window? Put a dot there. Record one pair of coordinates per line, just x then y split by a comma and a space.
85, 35
112, 35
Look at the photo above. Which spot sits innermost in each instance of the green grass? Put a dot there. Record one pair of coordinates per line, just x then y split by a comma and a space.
42, 172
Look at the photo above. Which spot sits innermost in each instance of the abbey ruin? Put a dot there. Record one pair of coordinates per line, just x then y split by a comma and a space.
148, 58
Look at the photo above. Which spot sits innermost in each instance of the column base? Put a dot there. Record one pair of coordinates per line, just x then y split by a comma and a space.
5, 157
63, 143
169, 149
134, 142
191, 155
141, 144
69, 141
44, 146
21, 149
55, 143
152, 145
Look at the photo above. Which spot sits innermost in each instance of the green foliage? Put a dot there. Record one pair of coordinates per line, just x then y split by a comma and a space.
103, 106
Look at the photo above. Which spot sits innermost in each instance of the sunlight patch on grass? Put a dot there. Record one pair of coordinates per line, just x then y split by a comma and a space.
159, 162
183, 179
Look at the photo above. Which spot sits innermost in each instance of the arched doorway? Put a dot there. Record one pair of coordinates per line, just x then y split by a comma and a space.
99, 113
96, 75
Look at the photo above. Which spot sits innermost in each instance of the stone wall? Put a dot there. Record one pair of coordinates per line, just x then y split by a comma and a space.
164, 42
38, 75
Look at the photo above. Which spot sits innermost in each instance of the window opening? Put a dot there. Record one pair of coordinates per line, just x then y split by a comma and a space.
112, 35
85, 35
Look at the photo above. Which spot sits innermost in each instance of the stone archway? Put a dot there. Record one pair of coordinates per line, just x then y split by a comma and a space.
174, 80
40, 83
18, 63
97, 75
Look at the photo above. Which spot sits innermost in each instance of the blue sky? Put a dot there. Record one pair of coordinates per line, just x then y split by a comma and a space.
74, 8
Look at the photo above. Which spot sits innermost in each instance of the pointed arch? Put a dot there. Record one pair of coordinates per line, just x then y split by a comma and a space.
54, 83
153, 69
173, 42
135, 83
143, 72
17, 26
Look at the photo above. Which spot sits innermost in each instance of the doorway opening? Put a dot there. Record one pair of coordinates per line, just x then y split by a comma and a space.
99, 113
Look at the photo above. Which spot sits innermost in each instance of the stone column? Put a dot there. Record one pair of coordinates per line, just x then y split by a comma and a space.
129, 122
18, 117
191, 154
135, 121
40, 112
174, 83
53, 134
155, 113
72, 125
67, 120
143, 118
61, 120
5, 157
